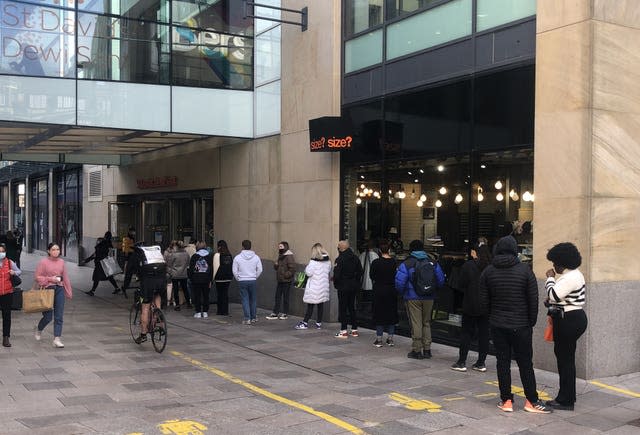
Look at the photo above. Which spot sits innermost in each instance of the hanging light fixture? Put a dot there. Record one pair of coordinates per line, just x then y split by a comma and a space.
480, 195
438, 203
413, 193
423, 198
376, 194
514, 195
527, 196
358, 201
362, 186
420, 203
440, 168
401, 193
499, 196
443, 190
458, 198
498, 185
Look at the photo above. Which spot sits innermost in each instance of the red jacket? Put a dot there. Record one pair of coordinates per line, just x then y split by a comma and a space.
5, 278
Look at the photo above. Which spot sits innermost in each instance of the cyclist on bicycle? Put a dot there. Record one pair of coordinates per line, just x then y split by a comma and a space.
153, 282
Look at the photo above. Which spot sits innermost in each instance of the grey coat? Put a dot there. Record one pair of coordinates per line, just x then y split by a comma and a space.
177, 264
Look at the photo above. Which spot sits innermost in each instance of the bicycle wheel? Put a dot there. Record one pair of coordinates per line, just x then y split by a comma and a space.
135, 325
159, 330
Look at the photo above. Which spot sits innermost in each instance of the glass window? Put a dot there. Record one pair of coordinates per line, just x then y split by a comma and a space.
261, 25
268, 109
268, 56
433, 27
213, 16
123, 50
362, 14
148, 10
37, 40
68, 212
492, 13
396, 8
4, 209
39, 215
363, 51
366, 121
18, 193
210, 59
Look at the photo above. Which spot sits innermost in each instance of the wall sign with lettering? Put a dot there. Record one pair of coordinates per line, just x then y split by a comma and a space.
330, 134
155, 182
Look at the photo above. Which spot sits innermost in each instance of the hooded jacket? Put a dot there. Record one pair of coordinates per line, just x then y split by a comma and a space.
404, 286
247, 266
285, 267
508, 289
201, 272
318, 286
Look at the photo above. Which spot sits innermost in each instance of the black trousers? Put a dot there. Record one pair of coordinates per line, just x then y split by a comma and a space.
222, 288
175, 290
200, 297
516, 342
566, 332
282, 294
471, 325
110, 279
309, 312
347, 309
5, 305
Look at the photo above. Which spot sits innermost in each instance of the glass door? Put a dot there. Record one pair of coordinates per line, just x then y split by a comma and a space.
182, 210
155, 220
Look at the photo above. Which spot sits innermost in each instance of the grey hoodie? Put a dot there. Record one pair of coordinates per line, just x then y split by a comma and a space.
247, 266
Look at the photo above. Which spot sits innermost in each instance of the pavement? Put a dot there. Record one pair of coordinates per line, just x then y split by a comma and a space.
220, 377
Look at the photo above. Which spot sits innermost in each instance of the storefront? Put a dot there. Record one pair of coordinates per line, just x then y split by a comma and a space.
68, 228
445, 165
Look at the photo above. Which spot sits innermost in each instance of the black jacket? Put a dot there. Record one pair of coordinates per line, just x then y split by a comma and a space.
347, 272
508, 289
469, 283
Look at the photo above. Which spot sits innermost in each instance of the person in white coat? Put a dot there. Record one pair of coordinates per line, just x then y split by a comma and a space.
318, 287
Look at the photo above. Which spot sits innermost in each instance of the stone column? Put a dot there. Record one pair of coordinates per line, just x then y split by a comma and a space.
587, 175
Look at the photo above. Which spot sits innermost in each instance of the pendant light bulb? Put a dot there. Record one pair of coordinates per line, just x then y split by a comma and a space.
438, 203
526, 196
420, 203
443, 190
358, 201
423, 198
440, 168
480, 196
499, 196
498, 185
458, 199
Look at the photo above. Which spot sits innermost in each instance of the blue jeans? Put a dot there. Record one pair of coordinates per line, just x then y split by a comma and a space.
56, 313
380, 330
248, 297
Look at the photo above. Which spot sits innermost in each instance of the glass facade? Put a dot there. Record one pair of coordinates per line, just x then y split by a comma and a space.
362, 14
363, 51
19, 203
68, 227
39, 214
207, 44
492, 13
4, 209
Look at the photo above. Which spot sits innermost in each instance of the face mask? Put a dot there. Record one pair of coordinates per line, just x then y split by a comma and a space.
2, 255
282, 251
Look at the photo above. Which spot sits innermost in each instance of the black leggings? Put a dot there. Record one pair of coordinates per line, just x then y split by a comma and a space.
566, 332
309, 312
5, 304
347, 304
110, 279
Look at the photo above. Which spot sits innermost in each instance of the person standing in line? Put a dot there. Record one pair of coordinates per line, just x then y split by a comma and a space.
247, 267
177, 267
51, 273
368, 256
8, 268
509, 294
101, 252
418, 307
346, 278
385, 298
222, 275
318, 288
285, 267
201, 276
566, 296
473, 318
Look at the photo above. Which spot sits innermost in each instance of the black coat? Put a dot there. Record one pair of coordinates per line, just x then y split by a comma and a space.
469, 283
508, 289
347, 273
101, 252
385, 297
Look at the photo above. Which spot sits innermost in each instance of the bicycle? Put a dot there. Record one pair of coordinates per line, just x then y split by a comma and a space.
157, 323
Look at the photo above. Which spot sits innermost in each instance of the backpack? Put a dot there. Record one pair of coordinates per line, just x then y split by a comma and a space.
423, 277
225, 270
201, 265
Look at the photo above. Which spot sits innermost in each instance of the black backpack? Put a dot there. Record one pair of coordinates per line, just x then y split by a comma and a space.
225, 269
423, 277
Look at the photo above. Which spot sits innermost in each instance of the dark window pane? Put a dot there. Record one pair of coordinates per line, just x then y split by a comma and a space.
396, 8
366, 120
151, 10
362, 14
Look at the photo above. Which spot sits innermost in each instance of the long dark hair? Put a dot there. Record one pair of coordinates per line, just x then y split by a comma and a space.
484, 256
223, 248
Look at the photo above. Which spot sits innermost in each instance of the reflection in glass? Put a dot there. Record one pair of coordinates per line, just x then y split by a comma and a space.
268, 55
363, 51
150, 10
396, 8
362, 14
492, 13
222, 16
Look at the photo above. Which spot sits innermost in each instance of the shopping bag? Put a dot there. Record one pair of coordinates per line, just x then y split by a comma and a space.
548, 331
37, 301
110, 266
300, 280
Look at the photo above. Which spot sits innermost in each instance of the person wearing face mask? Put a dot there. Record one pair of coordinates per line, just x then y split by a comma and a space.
51, 273
8, 268
285, 266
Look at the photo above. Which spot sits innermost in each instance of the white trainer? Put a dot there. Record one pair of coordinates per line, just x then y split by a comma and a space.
197, 315
205, 315
57, 342
37, 334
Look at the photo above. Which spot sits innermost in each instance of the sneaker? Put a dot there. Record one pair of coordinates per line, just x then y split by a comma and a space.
57, 342
427, 353
246, 322
506, 405
318, 325
282, 316
459, 367
390, 342
37, 334
254, 320
479, 367
301, 325
197, 315
272, 316
177, 308
205, 315
141, 339
354, 333
342, 334
556, 405
377, 343
537, 407
415, 355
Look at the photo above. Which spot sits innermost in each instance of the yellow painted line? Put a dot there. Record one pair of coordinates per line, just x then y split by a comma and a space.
450, 399
518, 391
487, 395
182, 427
329, 418
616, 389
415, 404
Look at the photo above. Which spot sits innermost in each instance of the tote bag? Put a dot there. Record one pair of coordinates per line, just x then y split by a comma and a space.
37, 301
110, 266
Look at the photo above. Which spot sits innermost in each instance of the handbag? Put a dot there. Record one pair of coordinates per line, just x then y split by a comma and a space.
110, 266
548, 331
300, 280
15, 281
37, 301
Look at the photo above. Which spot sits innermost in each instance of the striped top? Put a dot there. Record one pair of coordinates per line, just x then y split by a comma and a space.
567, 290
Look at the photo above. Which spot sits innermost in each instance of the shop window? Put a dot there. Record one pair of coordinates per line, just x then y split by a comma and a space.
363, 51
492, 13
40, 214
150, 10
362, 14
396, 8
366, 120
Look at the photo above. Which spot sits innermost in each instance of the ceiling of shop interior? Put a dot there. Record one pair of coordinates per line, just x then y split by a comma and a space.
86, 145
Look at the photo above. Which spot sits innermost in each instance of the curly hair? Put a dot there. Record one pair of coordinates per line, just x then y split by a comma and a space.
565, 255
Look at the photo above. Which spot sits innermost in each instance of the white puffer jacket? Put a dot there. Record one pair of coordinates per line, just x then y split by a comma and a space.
318, 286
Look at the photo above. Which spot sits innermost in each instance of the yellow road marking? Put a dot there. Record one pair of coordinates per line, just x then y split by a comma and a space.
612, 388
518, 391
118, 328
487, 395
182, 427
415, 404
329, 418
449, 399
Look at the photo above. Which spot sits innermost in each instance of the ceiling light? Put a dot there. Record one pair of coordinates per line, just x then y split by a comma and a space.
483, 166
362, 186
420, 203
458, 199
438, 203
526, 196
413, 193
499, 196
376, 194
443, 190
358, 201
362, 177
390, 191
416, 180
402, 195
480, 195
409, 172
423, 197
421, 171
498, 185
440, 168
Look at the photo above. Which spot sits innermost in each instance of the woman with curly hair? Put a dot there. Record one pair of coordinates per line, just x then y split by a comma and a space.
565, 298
